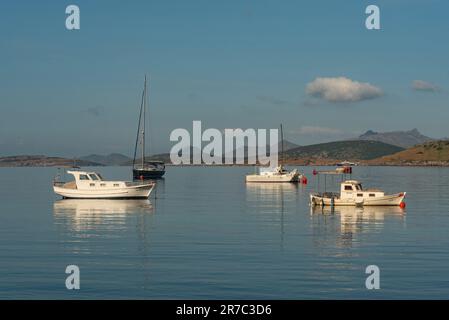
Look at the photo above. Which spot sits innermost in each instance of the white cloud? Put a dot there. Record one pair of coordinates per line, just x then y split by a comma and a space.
341, 89
420, 85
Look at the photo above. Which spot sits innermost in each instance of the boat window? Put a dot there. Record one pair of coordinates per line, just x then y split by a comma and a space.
93, 176
358, 187
99, 176
92, 184
102, 184
84, 177
359, 194
372, 195
348, 188
116, 184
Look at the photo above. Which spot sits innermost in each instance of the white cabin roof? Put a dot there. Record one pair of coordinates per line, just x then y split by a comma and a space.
77, 173
352, 182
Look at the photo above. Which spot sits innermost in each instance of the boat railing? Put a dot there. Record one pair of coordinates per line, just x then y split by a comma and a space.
58, 183
329, 195
138, 183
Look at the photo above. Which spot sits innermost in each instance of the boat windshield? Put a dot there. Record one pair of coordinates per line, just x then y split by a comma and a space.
359, 187
94, 177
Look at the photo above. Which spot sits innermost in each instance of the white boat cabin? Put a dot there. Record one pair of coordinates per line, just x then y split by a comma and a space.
352, 189
85, 180
272, 171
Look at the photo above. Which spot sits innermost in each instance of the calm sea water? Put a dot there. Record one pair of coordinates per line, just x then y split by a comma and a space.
205, 234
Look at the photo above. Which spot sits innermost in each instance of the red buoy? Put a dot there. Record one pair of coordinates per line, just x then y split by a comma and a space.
304, 180
314, 172
402, 205
141, 178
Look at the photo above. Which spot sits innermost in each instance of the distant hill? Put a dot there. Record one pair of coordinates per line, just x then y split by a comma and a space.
288, 145
404, 139
43, 161
113, 159
343, 150
429, 153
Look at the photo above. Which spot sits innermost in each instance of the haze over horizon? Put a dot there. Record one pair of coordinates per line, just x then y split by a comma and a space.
312, 66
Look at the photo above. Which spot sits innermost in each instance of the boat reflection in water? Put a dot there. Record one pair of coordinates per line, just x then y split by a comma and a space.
272, 203
271, 197
87, 214
352, 220
117, 229
271, 194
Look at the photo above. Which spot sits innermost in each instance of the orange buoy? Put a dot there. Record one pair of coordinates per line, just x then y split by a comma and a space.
402, 205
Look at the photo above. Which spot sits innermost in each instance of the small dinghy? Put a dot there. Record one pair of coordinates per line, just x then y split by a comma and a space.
90, 185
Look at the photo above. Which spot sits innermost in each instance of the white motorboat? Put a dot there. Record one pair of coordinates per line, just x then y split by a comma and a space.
352, 194
90, 185
278, 174
347, 164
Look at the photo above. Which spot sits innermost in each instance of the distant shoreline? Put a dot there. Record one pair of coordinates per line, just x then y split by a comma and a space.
408, 158
439, 165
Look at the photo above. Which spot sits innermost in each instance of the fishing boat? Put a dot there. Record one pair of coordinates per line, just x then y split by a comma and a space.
276, 174
145, 169
91, 185
352, 194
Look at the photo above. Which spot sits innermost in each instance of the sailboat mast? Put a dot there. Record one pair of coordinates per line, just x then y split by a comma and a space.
143, 131
147, 99
282, 145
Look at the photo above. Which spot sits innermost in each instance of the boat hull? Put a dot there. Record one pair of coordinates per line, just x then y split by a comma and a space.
387, 200
134, 192
139, 174
290, 177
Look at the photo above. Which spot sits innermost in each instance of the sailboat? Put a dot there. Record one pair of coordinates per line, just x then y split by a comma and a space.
277, 174
143, 169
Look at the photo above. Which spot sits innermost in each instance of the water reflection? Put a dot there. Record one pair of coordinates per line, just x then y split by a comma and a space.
85, 224
271, 195
348, 221
271, 201
88, 214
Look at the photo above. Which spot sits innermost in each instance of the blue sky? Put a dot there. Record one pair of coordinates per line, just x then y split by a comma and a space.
228, 63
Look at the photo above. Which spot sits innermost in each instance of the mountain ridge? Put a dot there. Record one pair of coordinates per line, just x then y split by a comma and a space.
403, 139
112, 159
